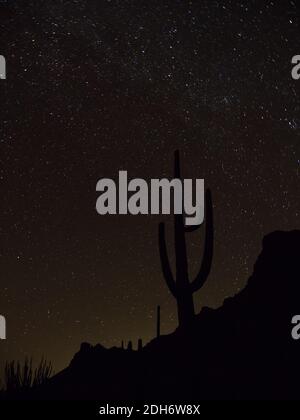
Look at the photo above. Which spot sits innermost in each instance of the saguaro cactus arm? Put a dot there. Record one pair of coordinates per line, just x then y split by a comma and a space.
165, 264
208, 247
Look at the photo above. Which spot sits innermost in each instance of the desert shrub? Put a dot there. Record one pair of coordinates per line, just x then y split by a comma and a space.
24, 376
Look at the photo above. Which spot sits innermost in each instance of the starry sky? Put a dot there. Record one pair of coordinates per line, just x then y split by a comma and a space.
98, 86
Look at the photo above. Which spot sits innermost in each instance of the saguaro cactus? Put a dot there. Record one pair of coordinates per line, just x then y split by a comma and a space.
180, 286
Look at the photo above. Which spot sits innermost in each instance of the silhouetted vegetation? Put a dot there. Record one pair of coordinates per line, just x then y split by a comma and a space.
22, 377
179, 285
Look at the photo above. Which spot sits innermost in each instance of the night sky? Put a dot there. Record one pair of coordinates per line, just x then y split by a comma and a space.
95, 87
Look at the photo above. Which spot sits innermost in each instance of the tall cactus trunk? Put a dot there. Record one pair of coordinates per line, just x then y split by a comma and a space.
185, 304
185, 309
180, 285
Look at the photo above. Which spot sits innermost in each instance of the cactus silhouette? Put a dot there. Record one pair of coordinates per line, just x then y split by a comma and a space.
180, 286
